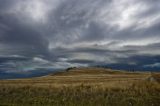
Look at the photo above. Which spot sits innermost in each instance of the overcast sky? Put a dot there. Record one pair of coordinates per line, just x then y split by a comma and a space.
41, 34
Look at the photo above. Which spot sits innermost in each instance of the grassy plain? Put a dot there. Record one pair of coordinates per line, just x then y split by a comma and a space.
83, 87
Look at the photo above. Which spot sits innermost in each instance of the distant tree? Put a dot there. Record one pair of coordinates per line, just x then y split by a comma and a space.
70, 68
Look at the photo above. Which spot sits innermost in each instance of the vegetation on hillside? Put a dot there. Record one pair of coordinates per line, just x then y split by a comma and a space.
83, 87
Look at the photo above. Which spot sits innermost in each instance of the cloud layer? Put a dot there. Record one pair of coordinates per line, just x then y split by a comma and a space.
63, 33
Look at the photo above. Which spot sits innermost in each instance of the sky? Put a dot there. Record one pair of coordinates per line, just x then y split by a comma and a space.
37, 36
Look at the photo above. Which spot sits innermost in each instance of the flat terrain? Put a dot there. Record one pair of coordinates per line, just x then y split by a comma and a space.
84, 87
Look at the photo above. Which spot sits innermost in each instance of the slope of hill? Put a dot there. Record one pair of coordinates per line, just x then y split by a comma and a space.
83, 87
76, 76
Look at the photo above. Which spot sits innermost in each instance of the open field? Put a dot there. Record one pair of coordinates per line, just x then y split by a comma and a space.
83, 87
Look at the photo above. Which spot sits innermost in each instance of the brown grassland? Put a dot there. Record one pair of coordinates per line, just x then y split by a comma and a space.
83, 87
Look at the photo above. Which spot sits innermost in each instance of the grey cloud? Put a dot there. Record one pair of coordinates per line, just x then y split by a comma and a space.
20, 37
71, 32
74, 21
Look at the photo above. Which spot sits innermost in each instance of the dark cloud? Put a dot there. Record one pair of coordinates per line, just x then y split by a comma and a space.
20, 38
44, 34
15, 58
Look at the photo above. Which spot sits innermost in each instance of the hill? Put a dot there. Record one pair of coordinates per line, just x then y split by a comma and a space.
76, 76
83, 87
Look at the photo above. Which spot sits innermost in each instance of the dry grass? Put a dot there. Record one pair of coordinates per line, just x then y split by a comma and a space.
83, 87
156, 76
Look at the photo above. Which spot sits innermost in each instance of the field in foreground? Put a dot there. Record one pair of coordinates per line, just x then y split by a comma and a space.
83, 87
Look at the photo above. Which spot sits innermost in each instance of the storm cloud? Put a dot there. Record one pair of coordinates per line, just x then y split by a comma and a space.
58, 34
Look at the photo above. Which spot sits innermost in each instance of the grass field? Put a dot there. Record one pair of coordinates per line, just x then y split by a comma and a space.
83, 87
